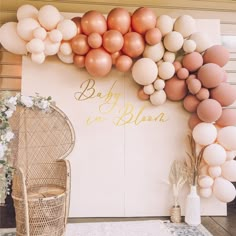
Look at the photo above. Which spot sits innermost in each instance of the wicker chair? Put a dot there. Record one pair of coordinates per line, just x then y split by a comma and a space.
41, 182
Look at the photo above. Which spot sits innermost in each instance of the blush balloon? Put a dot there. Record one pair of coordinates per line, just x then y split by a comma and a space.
79, 44
142, 95
191, 103
227, 118
79, 61
119, 19
133, 44
153, 36
194, 86
177, 65
193, 120
95, 40
209, 110
203, 94
112, 41
93, 22
123, 63
192, 61
182, 73
143, 19
98, 62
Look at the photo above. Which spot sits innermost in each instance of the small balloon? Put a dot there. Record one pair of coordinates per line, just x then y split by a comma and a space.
123, 63
95, 40
153, 36
113, 41
79, 44
79, 61
142, 95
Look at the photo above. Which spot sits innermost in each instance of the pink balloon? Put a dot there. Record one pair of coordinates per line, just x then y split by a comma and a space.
194, 86
143, 19
225, 94
203, 94
98, 62
123, 63
191, 103
193, 120
182, 73
192, 61
227, 118
119, 19
93, 22
95, 40
133, 44
113, 41
209, 110
79, 44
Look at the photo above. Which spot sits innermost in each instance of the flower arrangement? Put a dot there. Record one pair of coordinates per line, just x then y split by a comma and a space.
8, 105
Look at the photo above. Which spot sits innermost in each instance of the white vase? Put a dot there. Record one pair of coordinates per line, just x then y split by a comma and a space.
192, 208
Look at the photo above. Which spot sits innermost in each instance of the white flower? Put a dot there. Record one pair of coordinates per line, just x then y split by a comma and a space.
11, 103
8, 136
9, 113
2, 151
43, 104
27, 101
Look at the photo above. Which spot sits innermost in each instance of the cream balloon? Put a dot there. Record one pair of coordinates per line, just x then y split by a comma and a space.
189, 46
202, 41
27, 11
173, 41
165, 24
205, 192
185, 25
55, 35
214, 171
159, 84
38, 58
205, 181
227, 136
40, 33
154, 52
158, 98
50, 47
35, 46
224, 190
65, 48
166, 70
148, 89
68, 29
10, 40
68, 59
169, 56
229, 170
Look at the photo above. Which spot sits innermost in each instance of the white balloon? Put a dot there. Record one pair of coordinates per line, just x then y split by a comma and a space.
10, 40
158, 98
214, 154
204, 133
38, 58
230, 155
49, 17
224, 190
214, 171
66, 58
185, 25
169, 56
27, 11
202, 41
144, 71
154, 52
26, 27
35, 46
68, 29
65, 48
40, 33
166, 70
148, 89
159, 84
205, 192
173, 41
205, 181
55, 35
227, 137
50, 47
165, 24
229, 170
189, 46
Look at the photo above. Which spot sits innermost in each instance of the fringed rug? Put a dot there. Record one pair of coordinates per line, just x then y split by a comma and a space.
128, 228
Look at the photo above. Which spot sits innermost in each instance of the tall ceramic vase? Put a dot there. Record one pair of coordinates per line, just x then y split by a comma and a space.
192, 208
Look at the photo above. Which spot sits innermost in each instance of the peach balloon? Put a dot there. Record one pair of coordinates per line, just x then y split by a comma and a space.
190, 103
226, 137
211, 75
203, 94
123, 63
98, 62
192, 61
95, 40
142, 95
205, 192
93, 22
79, 44
77, 21
209, 110
119, 19
114, 56
182, 73
217, 54
79, 61
143, 19
225, 94
194, 86
193, 120
229, 170
227, 118
175, 89
133, 44
112, 41
153, 36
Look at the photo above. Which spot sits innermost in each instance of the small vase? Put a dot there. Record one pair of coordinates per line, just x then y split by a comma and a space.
175, 214
192, 208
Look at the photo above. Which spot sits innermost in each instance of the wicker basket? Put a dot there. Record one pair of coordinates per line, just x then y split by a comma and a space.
41, 183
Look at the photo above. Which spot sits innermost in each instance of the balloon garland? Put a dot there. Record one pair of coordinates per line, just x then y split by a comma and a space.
168, 58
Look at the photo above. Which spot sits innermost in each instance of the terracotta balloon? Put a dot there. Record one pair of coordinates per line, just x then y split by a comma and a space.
190, 103
133, 44
175, 89
153, 36
123, 63
182, 73
79, 44
192, 61
227, 118
177, 65
142, 95
225, 94
217, 54
79, 61
211, 75
77, 21
98, 62
119, 19
95, 40
193, 120
112, 41
209, 110
93, 22
143, 19
203, 94
194, 86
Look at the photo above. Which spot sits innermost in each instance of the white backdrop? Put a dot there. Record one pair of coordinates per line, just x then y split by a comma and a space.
124, 146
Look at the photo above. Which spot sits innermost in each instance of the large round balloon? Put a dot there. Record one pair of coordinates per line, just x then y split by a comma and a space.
67, 28
98, 62
112, 41
209, 110
143, 19
144, 71
93, 22
192, 61
204, 133
154, 52
227, 118
228, 170
190, 103
10, 40
133, 44
27, 11
123, 63
226, 137
119, 19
